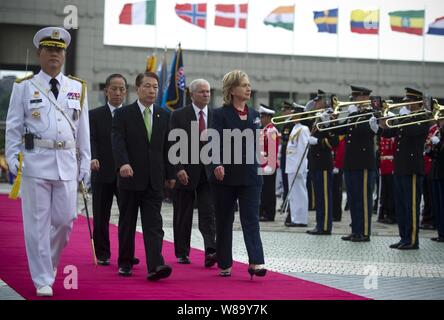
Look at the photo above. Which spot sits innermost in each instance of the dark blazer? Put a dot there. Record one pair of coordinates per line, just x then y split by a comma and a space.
236, 174
149, 160
320, 155
181, 119
437, 155
100, 124
410, 140
360, 151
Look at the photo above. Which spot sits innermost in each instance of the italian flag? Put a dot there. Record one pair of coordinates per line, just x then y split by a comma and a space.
143, 12
281, 17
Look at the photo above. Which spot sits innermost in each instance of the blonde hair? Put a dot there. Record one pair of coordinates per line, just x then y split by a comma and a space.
231, 80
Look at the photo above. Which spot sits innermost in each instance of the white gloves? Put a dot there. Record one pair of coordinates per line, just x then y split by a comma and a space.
435, 140
373, 122
404, 111
312, 140
352, 109
325, 116
84, 176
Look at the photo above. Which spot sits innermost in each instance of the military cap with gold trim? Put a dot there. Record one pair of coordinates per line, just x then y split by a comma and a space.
360, 91
413, 94
52, 37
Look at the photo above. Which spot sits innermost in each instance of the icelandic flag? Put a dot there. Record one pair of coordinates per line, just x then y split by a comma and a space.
437, 27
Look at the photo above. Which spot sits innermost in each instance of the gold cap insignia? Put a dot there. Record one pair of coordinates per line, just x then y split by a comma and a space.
55, 34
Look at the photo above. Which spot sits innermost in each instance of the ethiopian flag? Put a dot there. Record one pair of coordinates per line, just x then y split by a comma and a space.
281, 17
143, 12
407, 21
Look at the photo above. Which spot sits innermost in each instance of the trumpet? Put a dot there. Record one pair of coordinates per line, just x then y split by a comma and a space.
431, 108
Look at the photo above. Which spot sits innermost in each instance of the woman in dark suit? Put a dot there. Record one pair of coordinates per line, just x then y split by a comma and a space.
235, 175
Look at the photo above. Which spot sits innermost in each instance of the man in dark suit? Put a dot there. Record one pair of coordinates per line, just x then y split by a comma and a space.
193, 184
140, 148
104, 177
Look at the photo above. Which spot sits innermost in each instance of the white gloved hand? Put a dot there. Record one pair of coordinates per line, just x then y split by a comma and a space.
326, 115
335, 170
404, 111
84, 176
373, 122
312, 140
435, 140
352, 109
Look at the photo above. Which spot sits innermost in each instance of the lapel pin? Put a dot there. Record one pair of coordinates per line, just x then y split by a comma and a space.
36, 115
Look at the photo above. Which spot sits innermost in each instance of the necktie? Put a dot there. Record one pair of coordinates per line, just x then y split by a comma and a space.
53, 82
114, 112
201, 122
147, 120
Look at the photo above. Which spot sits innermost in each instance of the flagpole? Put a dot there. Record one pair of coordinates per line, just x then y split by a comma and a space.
423, 52
337, 48
378, 70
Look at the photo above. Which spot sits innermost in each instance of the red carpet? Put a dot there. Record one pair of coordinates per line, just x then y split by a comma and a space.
187, 282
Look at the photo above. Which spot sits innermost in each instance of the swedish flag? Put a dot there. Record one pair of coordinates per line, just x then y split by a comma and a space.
327, 20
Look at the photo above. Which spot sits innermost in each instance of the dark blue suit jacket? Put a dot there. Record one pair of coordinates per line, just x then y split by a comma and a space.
242, 174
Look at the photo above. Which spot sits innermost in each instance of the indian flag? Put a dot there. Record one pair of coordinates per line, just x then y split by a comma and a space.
281, 17
407, 21
143, 12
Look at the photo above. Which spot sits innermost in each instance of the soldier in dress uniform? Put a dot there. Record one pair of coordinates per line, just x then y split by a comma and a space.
359, 166
269, 138
49, 112
408, 170
320, 165
387, 147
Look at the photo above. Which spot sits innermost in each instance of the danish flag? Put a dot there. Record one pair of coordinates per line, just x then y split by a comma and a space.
231, 15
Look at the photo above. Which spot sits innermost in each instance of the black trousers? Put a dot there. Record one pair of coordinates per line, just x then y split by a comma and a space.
102, 201
267, 207
337, 195
150, 202
183, 219
387, 201
224, 200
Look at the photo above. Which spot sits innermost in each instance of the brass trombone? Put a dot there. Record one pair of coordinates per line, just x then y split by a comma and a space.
431, 108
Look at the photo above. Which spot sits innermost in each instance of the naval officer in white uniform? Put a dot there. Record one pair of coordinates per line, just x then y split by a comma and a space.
48, 123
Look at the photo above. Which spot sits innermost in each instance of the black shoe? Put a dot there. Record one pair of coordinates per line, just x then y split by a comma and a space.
125, 271
347, 238
257, 272
317, 232
406, 246
438, 239
225, 272
183, 260
103, 262
265, 219
135, 261
162, 271
336, 219
426, 226
210, 260
292, 224
395, 245
360, 238
389, 221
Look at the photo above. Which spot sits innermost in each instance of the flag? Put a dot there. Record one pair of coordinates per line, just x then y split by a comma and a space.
151, 62
327, 20
143, 12
194, 13
437, 27
407, 21
281, 17
162, 73
174, 94
231, 15
364, 22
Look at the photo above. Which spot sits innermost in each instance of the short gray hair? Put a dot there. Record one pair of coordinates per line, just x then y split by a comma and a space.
195, 83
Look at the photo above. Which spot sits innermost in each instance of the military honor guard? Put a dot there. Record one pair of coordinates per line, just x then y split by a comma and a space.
269, 138
47, 125
387, 148
320, 165
408, 169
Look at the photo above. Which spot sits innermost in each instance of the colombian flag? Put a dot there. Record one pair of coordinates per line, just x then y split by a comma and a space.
407, 21
364, 22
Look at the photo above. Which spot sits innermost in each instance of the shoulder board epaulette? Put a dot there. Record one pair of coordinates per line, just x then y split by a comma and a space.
83, 82
25, 78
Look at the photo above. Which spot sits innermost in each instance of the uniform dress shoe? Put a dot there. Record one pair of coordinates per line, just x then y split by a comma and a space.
183, 260
438, 239
162, 271
317, 232
125, 271
427, 226
292, 224
258, 272
45, 291
348, 237
135, 261
395, 245
225, 272
360, 238
265, 219
210, 260
103, 262
407, 246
